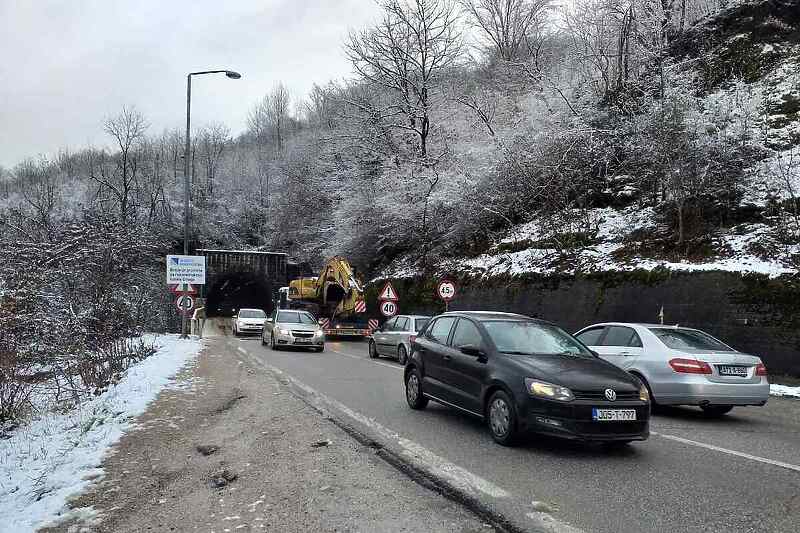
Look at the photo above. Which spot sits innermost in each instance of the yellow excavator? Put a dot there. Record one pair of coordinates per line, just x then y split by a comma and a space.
336, 297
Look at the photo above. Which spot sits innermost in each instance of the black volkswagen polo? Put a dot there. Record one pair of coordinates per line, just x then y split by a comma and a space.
522, 374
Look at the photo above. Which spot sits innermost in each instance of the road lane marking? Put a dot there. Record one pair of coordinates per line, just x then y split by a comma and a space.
416, 453
351, 356
729, 451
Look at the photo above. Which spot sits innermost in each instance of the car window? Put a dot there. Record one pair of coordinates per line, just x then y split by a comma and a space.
440, 329
389, 324
689, 339
466, 333
591, 337
401, 324
420, 323
295, 317
621, 336
533, 338
252, 313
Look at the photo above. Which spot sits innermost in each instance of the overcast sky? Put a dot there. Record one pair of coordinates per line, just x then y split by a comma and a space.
68, 64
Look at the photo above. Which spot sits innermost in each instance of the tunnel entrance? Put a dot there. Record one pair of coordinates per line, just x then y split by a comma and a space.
236, 290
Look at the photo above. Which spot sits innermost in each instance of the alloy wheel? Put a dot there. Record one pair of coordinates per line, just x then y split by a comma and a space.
412, 388
499, 417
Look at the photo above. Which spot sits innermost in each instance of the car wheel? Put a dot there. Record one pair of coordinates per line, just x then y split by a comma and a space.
402, 356
714, 411
321, 348
373, 350
414, 396
502, 419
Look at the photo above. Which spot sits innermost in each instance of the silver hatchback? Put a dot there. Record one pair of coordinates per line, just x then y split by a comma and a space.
393, 339
682, 366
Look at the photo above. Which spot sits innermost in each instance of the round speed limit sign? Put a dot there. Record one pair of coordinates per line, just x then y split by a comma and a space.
446, 290
388, 308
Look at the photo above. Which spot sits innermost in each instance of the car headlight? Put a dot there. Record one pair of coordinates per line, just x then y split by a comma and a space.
318, 333
644, 394
542, 389
283, 331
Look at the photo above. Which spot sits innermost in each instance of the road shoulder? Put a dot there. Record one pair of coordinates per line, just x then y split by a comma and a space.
278, 466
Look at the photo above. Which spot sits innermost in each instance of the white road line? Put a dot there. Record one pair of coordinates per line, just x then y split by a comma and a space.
240, 349
729, 452
351, 356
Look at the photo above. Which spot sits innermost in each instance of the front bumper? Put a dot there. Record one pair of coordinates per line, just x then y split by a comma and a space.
249, 328
697, 390
573, 420
291, 340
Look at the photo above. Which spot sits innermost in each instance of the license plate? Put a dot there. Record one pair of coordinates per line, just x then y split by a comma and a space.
302, 341
738, 371
613, 415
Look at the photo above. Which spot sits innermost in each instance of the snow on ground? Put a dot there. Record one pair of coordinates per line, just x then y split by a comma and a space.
783, 390
56, 456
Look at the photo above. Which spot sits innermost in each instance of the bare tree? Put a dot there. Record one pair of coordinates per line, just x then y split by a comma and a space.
407, 54
270, 118
128, 130
213, 141
507, 23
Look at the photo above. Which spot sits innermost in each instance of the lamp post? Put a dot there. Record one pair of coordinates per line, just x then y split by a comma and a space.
186, 181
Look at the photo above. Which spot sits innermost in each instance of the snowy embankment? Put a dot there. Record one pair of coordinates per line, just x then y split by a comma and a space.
57, 455
783, 390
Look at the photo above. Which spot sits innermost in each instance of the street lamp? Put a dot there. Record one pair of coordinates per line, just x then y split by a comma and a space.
186, 182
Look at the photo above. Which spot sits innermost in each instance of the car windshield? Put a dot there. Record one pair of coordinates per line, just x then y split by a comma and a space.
295, 317
252, 313
531, 338
689, 339
420, 323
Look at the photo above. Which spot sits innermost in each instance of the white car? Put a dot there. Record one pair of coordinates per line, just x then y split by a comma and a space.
681, 366
287, 327
248, 321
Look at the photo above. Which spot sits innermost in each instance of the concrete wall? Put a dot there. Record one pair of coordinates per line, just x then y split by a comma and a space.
752, 313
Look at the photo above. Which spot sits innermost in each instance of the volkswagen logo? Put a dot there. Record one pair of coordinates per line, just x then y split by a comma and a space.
610, 395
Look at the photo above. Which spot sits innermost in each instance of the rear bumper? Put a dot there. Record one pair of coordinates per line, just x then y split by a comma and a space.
573, 420
704, 392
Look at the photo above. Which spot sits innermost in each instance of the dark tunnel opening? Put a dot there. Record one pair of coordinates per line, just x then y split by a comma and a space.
238, 290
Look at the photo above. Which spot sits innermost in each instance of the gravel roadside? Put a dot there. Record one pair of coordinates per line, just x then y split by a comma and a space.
237, 452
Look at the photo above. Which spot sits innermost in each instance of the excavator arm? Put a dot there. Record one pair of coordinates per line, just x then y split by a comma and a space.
337, 290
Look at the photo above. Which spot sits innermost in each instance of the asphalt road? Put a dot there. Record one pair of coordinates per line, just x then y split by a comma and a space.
738, 473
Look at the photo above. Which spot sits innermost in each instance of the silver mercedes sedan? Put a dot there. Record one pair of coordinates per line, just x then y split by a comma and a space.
681, 366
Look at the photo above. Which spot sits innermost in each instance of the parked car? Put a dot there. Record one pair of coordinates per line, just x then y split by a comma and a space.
293, 328
682, 366
521, 374
394, 338
248, 321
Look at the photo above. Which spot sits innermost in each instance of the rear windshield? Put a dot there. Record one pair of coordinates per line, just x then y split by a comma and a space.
689, 339
295, 317
252, 313
420, 323
531, 338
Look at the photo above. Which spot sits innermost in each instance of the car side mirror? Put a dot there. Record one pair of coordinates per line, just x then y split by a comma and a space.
471, 349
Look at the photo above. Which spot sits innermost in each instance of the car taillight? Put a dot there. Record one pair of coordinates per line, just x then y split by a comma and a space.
690, 366
761, 370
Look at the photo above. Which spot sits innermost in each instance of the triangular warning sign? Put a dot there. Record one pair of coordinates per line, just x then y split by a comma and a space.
388, 293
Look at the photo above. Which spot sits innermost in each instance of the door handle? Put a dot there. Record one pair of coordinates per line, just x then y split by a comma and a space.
447, 357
